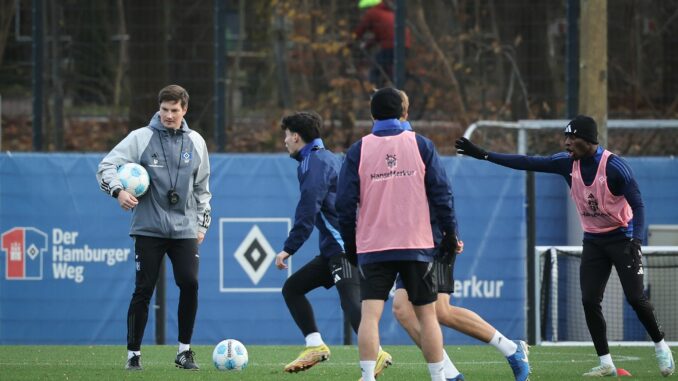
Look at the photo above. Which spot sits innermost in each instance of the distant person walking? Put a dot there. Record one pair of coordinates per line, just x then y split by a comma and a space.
378, 22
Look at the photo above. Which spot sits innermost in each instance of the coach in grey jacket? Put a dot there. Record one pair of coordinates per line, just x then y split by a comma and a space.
172, 217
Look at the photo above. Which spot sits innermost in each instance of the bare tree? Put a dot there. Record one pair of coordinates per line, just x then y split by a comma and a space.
422, 24
8, 7
123, 55
148, 55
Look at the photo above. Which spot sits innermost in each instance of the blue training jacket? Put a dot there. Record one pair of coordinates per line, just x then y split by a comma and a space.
317, 173
438, 190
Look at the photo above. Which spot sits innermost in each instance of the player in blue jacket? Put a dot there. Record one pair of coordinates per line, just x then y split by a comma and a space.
317, 173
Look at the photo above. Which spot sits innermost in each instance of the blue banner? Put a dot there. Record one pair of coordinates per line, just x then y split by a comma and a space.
67, 262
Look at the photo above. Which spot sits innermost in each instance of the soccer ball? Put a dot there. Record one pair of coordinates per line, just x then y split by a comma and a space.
134, 179
230, 355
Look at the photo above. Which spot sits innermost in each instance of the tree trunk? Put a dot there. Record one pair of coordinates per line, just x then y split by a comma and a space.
191, 59
56, 21
123, 55
148, 57
6, 17
670, 64
593, 64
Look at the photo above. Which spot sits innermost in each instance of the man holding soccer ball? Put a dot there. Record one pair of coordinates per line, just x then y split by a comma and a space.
612, 216
171, 218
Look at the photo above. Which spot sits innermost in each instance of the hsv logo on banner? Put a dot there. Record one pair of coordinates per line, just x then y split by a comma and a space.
247, 253
23, 249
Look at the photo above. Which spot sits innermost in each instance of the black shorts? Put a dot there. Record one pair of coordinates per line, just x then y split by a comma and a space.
376, 280
443, 273
326, 272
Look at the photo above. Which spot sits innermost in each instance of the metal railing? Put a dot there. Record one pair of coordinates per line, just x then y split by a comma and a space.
538, 124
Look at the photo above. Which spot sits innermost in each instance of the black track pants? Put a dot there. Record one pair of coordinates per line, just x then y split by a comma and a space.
149, 251
325, 272
598, 257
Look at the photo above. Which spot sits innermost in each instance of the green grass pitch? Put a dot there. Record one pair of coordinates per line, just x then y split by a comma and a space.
478, 363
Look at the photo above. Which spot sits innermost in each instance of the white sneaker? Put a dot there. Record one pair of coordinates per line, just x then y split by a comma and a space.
666, 364
602, 370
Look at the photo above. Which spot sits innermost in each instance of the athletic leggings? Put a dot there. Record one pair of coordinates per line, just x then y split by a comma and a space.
325, 272
598, 257
149, 251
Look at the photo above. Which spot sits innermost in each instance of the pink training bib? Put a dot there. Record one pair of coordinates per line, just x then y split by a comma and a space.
599, 210
393, 210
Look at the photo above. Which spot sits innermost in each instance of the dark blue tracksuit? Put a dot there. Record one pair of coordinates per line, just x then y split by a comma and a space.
317, 173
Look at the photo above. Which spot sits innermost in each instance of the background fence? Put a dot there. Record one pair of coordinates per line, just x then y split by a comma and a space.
104, 61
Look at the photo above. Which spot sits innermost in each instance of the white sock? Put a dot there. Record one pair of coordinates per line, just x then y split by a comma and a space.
183, 347
314, 339
448, 367
503, 345
131, 354
367, 369
661, 346
436, 370
606, 360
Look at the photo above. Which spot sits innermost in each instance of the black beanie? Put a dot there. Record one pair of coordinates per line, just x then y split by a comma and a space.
386, 103
584, 127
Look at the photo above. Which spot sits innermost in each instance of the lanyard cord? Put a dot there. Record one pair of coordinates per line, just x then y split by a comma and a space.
176, 179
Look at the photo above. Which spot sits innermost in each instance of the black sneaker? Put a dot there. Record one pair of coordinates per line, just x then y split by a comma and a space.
134, 363
185, 360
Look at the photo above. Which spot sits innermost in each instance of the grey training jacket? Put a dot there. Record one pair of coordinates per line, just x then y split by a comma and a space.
185, 153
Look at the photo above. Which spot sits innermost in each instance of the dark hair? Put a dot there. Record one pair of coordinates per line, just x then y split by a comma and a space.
386, 103
305, 123
173, 93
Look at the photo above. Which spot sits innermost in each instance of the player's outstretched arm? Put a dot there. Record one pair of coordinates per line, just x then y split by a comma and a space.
559, 163
466, 147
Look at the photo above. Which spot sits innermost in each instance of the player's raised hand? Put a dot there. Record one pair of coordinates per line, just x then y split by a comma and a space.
465, 147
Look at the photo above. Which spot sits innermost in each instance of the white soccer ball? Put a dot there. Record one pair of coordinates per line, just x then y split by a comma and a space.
230, 355
134, 179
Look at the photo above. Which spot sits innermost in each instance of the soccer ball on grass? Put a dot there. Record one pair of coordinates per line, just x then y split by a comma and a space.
230, 355
134, 179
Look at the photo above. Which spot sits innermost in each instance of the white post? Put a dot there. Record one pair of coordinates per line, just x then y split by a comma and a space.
554, 294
